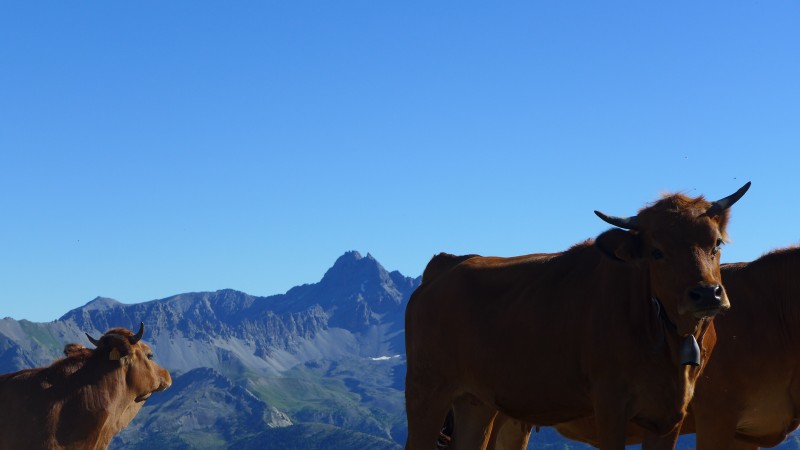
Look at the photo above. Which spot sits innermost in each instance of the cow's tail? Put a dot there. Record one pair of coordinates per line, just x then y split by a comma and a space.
442, 263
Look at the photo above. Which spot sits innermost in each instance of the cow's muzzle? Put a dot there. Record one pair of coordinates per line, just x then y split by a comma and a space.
165, 383
707, 300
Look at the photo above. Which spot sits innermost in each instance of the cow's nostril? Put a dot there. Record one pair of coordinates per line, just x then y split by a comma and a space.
706, 294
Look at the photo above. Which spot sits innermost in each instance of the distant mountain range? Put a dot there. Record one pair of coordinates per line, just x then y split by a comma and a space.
319, 367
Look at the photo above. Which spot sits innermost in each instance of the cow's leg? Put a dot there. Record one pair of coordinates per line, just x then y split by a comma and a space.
426, 408
610, 431
715, 427
509, 434
473, 424
612, 419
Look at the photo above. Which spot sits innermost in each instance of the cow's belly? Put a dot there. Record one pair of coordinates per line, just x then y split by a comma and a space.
767, 419
542, 400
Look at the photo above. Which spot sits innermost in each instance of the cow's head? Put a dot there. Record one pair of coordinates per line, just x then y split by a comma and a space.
679, 239
142, 375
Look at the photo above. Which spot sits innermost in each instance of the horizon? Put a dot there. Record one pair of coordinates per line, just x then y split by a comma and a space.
127, 303
152, 149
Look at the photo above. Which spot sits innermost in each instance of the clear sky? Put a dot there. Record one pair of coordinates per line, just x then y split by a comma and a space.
152, 148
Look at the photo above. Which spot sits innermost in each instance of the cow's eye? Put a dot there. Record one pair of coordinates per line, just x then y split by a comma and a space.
149, 356
657, 254
716, 249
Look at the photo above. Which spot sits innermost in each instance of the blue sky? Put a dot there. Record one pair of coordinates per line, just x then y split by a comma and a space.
153, 148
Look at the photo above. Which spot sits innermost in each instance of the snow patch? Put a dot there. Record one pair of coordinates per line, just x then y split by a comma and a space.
384, 358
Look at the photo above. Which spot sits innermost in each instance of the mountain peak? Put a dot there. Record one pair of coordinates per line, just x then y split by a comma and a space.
101, 304
351, 265
349, 257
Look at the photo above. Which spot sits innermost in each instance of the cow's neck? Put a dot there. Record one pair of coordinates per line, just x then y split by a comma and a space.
624, 304
651, 345
688, 363
678, 352
685, 348
651, 324
629, 283
93, 421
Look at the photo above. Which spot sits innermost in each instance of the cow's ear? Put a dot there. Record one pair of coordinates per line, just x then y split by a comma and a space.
119, 353
620, 245
116, 355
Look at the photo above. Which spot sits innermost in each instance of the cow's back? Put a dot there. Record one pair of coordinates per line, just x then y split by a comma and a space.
441, 263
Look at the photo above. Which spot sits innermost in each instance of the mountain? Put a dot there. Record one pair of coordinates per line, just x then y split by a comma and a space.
202, 409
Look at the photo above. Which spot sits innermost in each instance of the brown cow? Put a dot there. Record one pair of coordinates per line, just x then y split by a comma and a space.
749, 394
750, 390
607, 325
83, 400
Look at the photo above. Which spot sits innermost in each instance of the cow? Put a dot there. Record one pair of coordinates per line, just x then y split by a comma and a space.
611, 324
749, 393
81, 401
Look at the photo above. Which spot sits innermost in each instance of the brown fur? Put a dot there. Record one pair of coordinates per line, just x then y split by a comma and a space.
440, 263
80, 401
550, 338
750, 390
696, 209
73, 349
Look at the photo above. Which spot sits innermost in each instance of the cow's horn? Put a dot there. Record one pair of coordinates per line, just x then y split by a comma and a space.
139, 334
725, 203
93, 340
628, 223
